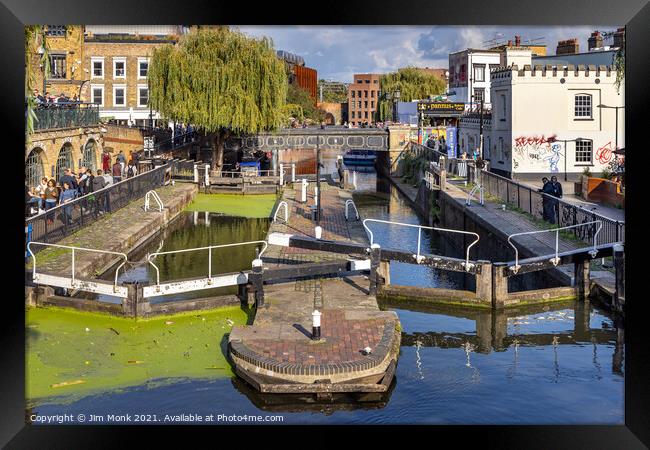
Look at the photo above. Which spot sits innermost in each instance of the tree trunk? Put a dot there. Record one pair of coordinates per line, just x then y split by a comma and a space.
218, 142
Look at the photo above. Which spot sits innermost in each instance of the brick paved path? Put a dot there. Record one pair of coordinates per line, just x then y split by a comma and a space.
279, 343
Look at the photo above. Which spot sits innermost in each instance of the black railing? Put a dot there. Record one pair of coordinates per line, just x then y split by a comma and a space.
53, 225
558, 212
66, 115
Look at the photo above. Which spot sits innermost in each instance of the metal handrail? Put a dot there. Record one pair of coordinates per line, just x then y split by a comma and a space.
347, 204
286, 212
555, 260
156, 197
35, 277
418, 257
209, 248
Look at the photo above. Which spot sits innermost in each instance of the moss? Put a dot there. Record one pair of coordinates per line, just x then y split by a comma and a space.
102, 353
251, 206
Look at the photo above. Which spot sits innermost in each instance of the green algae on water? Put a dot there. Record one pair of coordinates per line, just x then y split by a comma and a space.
252, 206
71, 354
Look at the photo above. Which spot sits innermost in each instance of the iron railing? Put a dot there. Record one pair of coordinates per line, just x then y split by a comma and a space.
55, 224
66, 115
564, 214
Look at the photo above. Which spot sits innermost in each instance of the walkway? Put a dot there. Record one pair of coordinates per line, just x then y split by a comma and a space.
278, 347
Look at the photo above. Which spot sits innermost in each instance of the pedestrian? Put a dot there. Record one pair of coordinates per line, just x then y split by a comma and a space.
68, 195
556, 192
67, 177
32, 200
132, 170
51, 197
81, 180
121, 158
40, 191
106, 161
548, 209
117, 172
108, 178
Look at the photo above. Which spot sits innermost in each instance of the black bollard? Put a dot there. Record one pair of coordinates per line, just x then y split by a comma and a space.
375, 259
257, 282
619, 266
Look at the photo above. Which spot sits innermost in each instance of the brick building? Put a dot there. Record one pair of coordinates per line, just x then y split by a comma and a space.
363, 97
299, 74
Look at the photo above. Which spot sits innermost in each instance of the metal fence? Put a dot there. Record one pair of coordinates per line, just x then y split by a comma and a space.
66, 115
558, 212
53, 225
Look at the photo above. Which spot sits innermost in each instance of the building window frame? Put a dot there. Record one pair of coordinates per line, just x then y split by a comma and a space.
504, 111
56, 30
140, 61
115, 88
119, 59
584, 153
93, 60
92, 93
479, 72
58, 72
583, 106
142, 87
478, 98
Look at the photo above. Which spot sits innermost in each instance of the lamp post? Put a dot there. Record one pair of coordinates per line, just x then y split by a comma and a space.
565, 149
318, 179
396, 97
616, 129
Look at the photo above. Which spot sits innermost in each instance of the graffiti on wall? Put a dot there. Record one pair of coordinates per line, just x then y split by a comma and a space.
536, 150
554, 157
604, 153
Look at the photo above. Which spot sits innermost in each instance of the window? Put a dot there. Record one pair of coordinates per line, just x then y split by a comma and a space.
584, 151
359, 94
55, 30
57, 66
372, 104
119, 67
365, 104
143, 96
353, 114
88, 157
34, 168
64, 161
352, 94
583, 106
479, 72
375, 81
479, 94
143, 67
372, 94
365, 94
365, 114
97, 95
97, 66
359, 104
119, 95
367, 81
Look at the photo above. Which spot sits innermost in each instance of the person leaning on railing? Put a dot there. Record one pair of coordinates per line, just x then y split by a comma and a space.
67, 195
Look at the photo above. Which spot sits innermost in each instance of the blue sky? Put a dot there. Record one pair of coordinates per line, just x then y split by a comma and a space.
337, 52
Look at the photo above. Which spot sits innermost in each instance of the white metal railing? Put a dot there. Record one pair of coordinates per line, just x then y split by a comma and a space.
286, 212
480, 189
35, 276
555, 260
209, 249
419, 257
347, 205
156, 197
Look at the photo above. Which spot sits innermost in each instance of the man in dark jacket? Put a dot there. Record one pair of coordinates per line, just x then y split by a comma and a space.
67, 177
101, 198
548, 201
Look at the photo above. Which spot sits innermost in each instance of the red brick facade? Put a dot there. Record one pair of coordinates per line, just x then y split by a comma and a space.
363, 98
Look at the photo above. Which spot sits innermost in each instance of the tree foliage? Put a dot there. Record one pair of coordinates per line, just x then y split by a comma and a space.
619, 63
333, 93
300, 100
413, 84
34, 39
221, 82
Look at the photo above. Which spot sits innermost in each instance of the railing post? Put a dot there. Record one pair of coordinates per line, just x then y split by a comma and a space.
196, 173
303, 192
257, 282
207, 175
375, 259
293, 172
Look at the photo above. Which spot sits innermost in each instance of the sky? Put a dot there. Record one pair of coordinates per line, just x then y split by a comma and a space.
338, 52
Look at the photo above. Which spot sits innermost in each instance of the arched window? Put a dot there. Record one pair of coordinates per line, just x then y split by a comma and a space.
583, 106
88, 157
64, 160
34, 168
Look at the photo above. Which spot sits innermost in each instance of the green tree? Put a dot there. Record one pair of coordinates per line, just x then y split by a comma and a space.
413, 84
34, 39
221, 82
301, 100
333, 92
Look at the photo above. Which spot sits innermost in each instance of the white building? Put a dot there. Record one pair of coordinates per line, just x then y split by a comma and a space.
469, 75
547, 120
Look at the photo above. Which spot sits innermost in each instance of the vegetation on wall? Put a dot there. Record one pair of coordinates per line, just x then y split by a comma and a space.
413, 84
333, 94
302, 105
34, 39
222, 82
412, 167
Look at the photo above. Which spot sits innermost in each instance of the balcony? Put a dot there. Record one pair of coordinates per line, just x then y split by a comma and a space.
66, 115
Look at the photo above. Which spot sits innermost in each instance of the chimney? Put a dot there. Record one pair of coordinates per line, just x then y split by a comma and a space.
619, 38
568, 47
595, 41
517, 41
509, 43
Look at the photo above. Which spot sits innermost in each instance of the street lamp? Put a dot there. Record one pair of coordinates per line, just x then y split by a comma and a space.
555, 139
616, 130
395, 101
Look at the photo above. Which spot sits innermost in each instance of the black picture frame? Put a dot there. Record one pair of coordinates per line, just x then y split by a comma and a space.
634, 14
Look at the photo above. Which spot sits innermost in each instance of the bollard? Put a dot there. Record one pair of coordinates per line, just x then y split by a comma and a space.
196, 173
375, 259
316, 196
318, 232
281, 174
384, 272
130, 303
315, 330
293, 172
484, 281
258, 283
499, 287
303, 197
619, 267
207, 174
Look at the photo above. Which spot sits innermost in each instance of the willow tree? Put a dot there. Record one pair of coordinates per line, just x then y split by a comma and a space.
34, 40
413, 84
221, 82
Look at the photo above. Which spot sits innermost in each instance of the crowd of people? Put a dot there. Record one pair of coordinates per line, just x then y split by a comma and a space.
51, 193
50, 101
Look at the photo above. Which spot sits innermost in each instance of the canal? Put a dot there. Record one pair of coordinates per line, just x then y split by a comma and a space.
556, 364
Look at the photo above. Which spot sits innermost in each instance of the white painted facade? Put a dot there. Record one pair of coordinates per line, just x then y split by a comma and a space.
469, 73
531, 106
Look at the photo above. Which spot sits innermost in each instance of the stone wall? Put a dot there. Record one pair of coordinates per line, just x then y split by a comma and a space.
123, 138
